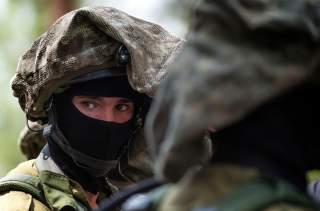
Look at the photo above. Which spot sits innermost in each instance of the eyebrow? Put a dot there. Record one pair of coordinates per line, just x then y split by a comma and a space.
125, 100
90, 97
121, 100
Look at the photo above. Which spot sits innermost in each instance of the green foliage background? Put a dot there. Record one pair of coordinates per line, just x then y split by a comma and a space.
20, 23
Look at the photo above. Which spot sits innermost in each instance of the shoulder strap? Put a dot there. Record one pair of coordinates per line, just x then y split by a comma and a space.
24, 183
261, 193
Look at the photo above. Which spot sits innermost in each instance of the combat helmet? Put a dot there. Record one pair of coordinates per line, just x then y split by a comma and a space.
241, 54
85, 40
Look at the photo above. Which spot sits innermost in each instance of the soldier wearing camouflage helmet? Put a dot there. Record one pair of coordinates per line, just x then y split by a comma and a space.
255, 67
89, 78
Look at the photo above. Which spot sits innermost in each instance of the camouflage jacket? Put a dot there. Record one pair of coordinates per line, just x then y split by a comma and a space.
225, 188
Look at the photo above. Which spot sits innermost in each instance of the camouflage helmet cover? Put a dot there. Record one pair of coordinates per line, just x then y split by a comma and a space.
240, 54
86, 40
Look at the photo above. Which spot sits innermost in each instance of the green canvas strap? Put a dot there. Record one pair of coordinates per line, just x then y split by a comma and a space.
260, 194
24, 183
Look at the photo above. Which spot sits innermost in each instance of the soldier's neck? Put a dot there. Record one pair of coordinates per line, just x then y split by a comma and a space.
92, 199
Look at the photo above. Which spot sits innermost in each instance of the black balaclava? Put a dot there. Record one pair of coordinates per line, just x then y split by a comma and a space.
281, 138
83, 147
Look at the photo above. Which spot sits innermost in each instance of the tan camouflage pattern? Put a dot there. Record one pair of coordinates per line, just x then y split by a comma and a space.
20, 201
30, 142
86, 40
240, 54
17, 200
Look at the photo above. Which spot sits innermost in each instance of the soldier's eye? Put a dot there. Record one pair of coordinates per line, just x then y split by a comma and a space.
89, 105
122, 107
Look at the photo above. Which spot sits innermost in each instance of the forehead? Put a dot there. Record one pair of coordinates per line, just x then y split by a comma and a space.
103, 87
102, 99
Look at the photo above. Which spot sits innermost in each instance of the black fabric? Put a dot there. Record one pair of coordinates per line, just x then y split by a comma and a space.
117, 86
96, 138
281, 138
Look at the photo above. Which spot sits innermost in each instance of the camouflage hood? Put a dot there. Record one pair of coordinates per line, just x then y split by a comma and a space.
85, 40
241, 54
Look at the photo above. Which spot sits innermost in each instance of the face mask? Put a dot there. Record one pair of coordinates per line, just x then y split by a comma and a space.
96, 138
93, 144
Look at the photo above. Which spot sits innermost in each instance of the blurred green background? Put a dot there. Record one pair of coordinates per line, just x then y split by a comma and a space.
21, 22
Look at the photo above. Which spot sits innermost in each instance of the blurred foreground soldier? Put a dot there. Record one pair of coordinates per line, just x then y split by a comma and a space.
31, 140
89, 77
250, 70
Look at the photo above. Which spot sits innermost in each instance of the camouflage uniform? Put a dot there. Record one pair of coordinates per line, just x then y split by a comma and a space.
240, 55
81, 42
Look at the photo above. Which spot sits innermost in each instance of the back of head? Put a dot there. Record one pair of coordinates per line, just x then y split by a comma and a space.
240, 55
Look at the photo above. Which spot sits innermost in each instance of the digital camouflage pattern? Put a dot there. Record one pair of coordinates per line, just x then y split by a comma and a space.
85, 40
31, 142
240, 54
